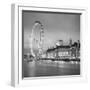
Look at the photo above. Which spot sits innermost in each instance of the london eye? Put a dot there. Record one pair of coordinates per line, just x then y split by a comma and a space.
39, 41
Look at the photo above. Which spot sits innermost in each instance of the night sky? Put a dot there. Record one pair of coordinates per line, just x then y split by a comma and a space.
57, 26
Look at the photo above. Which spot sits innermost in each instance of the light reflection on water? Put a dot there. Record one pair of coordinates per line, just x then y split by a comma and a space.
51, 68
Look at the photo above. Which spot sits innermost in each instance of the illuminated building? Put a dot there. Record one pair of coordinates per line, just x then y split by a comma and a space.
70, 51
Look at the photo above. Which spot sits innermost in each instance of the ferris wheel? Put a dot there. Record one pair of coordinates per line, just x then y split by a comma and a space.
41, 39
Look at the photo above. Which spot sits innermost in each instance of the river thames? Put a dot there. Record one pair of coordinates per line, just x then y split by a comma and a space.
51, 68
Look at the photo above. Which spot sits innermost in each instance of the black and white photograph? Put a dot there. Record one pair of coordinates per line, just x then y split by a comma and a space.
50, 43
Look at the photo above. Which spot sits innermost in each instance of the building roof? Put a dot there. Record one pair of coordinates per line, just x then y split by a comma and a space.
62, 47
58, 47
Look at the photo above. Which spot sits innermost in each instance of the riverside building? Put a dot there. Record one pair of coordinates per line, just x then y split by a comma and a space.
71, 51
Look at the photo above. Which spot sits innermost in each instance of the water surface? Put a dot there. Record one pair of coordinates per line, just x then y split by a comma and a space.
51, 68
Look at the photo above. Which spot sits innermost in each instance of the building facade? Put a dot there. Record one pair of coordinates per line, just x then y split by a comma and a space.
64, 52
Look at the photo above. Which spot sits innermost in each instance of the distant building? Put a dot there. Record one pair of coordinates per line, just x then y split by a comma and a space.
59, 43
70, 42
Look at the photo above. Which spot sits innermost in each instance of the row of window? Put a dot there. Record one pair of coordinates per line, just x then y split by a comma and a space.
61, 54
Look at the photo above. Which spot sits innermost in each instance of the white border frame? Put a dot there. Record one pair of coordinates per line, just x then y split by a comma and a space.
16, 41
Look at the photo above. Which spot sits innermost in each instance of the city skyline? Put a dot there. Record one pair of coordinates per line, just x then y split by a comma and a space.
57, 26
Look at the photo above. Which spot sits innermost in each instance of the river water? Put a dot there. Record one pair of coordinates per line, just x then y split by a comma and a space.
50, 68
